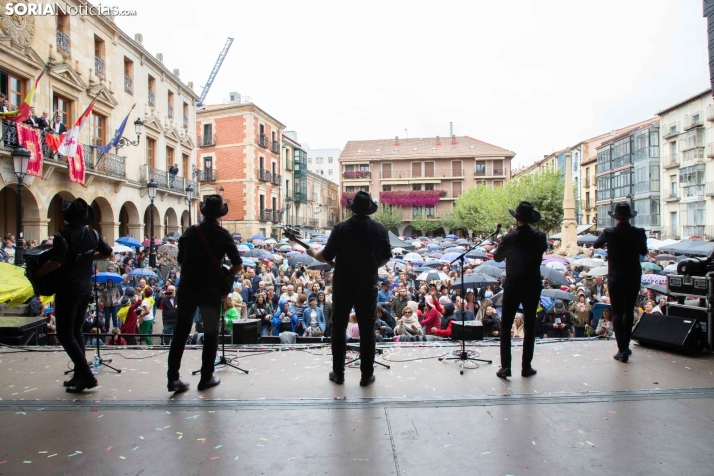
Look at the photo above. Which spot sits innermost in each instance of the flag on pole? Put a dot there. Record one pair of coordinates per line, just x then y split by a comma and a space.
23, 113
71, 140
29, 138
117, 135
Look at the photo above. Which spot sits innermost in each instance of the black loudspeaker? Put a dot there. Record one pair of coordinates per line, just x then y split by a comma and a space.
679, 334
472, 331
23, 330
701, 314
246, 331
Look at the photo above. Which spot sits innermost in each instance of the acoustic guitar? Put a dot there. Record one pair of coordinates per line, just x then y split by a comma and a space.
292, 235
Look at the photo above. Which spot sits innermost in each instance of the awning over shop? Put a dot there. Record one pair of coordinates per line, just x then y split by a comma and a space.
396, 242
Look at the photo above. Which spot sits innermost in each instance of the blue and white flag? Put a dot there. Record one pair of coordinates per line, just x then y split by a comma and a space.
117, 136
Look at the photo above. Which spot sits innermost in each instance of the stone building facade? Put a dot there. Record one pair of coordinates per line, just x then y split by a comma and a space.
88, 57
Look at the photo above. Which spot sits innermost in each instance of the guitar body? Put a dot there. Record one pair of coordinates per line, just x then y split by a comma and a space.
292, 235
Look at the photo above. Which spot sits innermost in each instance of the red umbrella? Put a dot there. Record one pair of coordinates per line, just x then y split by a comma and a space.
157, 242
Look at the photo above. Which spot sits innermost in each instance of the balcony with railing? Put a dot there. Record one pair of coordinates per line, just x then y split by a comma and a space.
208, 140
646, 153
693, 191
128, 84
401, 174
710, 150
669, 161
603, 195
693, 156
275, 179
672, 129
275, 147
170, 111
99, 65
263, 140
277, 216
264, 175
499, 172
670, 232
357, 174
152, 98
710, 113
105, 164
693, 120
266, 215
206, 174
185, 122
709, 189
694, 230
165, 180
671, 196
62, 42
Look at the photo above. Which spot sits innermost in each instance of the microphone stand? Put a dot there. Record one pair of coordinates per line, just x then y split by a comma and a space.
463, 355
222, 336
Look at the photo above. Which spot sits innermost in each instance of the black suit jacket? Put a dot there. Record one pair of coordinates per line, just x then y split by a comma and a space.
43, 123
625, 243
523, 251
62, 128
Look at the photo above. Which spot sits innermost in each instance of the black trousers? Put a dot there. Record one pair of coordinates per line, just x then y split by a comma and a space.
623, 294
209, 305
363, 297
69, 316
528, 297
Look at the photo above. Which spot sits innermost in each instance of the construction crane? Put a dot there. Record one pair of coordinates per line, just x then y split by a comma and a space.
216, 67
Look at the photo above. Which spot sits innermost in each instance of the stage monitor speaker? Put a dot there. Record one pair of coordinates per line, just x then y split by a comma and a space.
680, 334
270, 340
246, 331
472, 331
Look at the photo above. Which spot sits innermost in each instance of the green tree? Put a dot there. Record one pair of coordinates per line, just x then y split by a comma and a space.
449, 221
389, 216
424, 225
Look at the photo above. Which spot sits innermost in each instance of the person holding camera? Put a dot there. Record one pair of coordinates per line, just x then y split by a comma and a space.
169, 313
202, 286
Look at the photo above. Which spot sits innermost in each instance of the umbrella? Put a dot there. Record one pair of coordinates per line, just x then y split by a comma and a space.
258, 253
490, 270
398, 250
270, 241
171, 250
174, 234
259, 243
257, 237
421, 269
412, 257
695, 247
432, 276
666, 257
434, 247
394, 264
590, 263
129, 241
599, 271
243, 248
462, 241
449, 257
555, 258
658, 288
600, 253
104, 277
423, 252
292, 253
553, 275
558, 294
417, 262
15, 288
476, 254
284, 248
249, 262
122, 249
653, 279
301, 259
478, 280
671, 269
453, 237
497, 299
455, 249
433, 263
491, 262
556, 265
143, 273
597, 310
320, 266
652, 266
586, 239
145, 243
422, 238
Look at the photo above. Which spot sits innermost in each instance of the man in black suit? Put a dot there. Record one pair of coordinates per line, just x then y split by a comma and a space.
522, 248
57, 126
44, 121
625, 243
32, 119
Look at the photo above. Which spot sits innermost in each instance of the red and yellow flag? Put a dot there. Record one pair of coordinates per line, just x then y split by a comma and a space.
23, 113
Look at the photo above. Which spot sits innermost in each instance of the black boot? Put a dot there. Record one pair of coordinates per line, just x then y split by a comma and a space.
504, 372
177, 386
206, 384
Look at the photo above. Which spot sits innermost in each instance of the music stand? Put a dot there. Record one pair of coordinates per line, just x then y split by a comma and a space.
102, 361
463, 355
355, 348
223, 360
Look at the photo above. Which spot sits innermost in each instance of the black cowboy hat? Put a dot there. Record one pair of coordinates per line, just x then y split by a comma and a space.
526, 213
214, 206
77, 212
622, 211
362, 204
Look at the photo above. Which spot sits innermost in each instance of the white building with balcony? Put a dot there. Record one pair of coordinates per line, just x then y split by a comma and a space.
687, 138
324, 162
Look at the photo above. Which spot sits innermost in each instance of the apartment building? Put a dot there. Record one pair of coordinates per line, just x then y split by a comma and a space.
423, 176
323, 162
89, 57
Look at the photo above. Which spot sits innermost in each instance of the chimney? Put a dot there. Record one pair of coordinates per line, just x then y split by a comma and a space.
396, 141
453, 139
438, 142
451, 129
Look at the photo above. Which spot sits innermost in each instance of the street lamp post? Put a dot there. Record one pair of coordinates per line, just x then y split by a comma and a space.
220, 191
139, 129
189, 197
20, 162
152, 186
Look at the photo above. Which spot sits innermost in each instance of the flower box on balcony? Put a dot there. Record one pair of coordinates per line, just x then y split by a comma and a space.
357, 174
413, 198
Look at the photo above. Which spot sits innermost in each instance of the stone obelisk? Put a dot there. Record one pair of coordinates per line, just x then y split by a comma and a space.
569, 228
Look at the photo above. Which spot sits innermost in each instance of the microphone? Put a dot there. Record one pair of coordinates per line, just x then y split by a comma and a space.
498, 227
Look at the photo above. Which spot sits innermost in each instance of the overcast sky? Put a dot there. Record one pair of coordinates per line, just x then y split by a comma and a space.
529, 76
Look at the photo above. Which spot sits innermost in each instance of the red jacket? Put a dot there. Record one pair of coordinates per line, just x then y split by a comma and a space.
445, 332
131, 322
432, 319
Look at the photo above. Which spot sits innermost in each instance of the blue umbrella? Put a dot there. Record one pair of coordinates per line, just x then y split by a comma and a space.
453, 237
258, 253
249, 262
129, 241
417, 262
433, 263
434, 247
600, 253
476, 254
491, 262
104, 277
257, 237
450, 257
398, 260
143, 273
249, 245
301, 259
